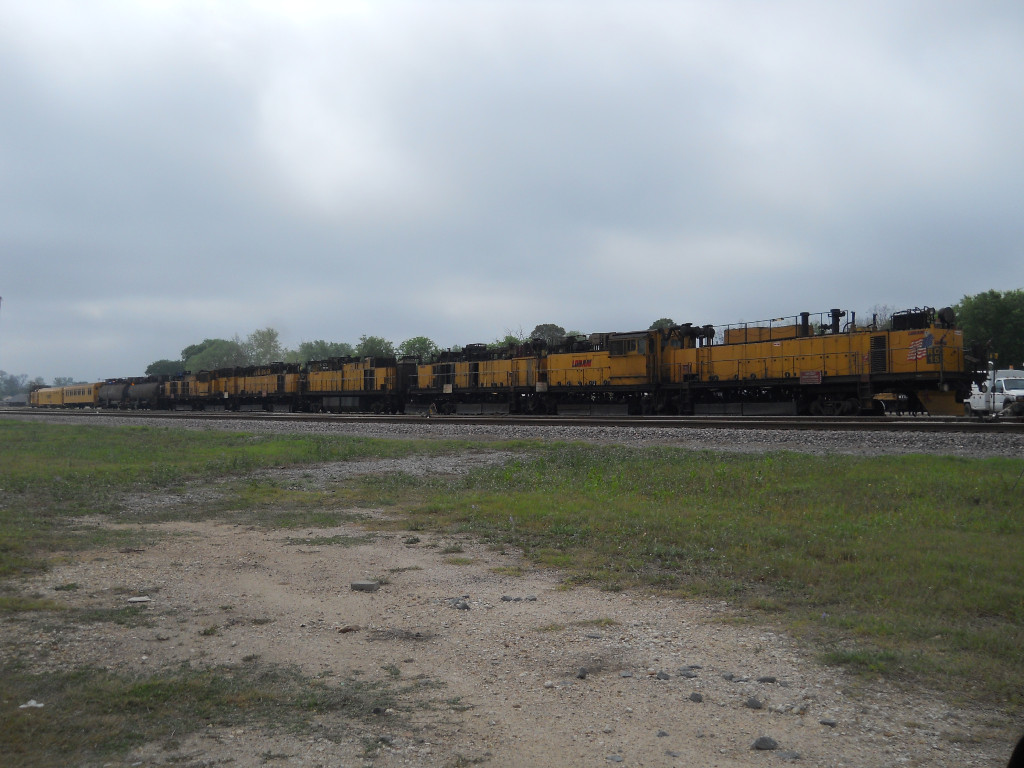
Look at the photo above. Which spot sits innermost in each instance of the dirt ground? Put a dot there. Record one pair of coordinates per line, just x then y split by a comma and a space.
533, 674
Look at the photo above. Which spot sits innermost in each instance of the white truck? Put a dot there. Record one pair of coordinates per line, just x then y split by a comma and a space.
1003, 391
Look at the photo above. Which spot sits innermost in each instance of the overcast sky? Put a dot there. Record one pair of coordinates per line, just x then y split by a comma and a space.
174, 171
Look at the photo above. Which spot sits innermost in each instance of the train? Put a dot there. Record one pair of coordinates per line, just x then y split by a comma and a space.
819, 364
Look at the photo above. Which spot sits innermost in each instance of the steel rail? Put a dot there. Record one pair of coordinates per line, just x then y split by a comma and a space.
810, 423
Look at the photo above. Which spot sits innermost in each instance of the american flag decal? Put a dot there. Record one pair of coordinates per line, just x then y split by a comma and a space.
919, 347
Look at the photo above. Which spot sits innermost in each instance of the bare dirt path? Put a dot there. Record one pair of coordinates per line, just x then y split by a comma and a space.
533, 674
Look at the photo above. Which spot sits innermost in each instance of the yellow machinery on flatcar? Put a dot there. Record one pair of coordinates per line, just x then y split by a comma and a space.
808, 364
816, 368
272, 387
476, 379
356, 384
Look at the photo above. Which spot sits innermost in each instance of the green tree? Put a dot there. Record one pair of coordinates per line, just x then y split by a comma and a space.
880, 315
321, 350
662, 324
374, 346
221, 353
995, 319
165, 368
551, 333
510, 340
418, 346
62, 381
11, 384
194, 349
263, 346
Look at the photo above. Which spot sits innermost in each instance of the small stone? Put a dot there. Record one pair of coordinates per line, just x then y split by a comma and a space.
765, 742
829, 722
614, 758
663, 676
696, 697
687, 672
549, 684
365, 586
461, 605
625, 673
662, 734
767, 679
753, 703
582, 674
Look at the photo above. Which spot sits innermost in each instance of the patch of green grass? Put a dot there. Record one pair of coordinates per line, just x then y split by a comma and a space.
339, 540
90, 715
911, 558
21, 604
910, 564
508, 570
55, 476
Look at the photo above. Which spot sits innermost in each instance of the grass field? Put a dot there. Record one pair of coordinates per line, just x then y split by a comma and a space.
908, 567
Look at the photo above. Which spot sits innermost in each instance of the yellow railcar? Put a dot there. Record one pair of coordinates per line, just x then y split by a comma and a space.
47, 397
82, 395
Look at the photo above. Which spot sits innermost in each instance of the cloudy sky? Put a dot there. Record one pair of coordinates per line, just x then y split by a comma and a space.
173, 171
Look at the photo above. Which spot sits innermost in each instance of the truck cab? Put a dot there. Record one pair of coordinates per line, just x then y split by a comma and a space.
1001, 391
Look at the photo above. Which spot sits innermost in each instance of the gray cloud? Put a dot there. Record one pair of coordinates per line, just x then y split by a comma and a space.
458, 170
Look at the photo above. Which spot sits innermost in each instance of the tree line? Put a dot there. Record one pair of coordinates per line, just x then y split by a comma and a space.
992, 322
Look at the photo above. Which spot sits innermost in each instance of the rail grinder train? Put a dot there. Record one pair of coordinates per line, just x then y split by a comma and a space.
810, 364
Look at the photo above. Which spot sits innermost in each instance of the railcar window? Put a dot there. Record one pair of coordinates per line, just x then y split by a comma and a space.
627, 346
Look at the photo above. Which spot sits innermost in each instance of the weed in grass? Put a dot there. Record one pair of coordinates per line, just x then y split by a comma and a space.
459, 560
19, 604
128, 616
551, 628
508, 570
339, 540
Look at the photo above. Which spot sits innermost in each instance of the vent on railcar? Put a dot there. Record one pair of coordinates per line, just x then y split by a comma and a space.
879, 353
913, 319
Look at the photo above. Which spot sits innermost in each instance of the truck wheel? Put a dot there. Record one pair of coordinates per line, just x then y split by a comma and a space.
968, 411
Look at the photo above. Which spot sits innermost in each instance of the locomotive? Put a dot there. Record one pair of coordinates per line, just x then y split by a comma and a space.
809, 364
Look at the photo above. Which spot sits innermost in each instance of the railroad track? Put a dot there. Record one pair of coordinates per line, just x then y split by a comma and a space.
810, 423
